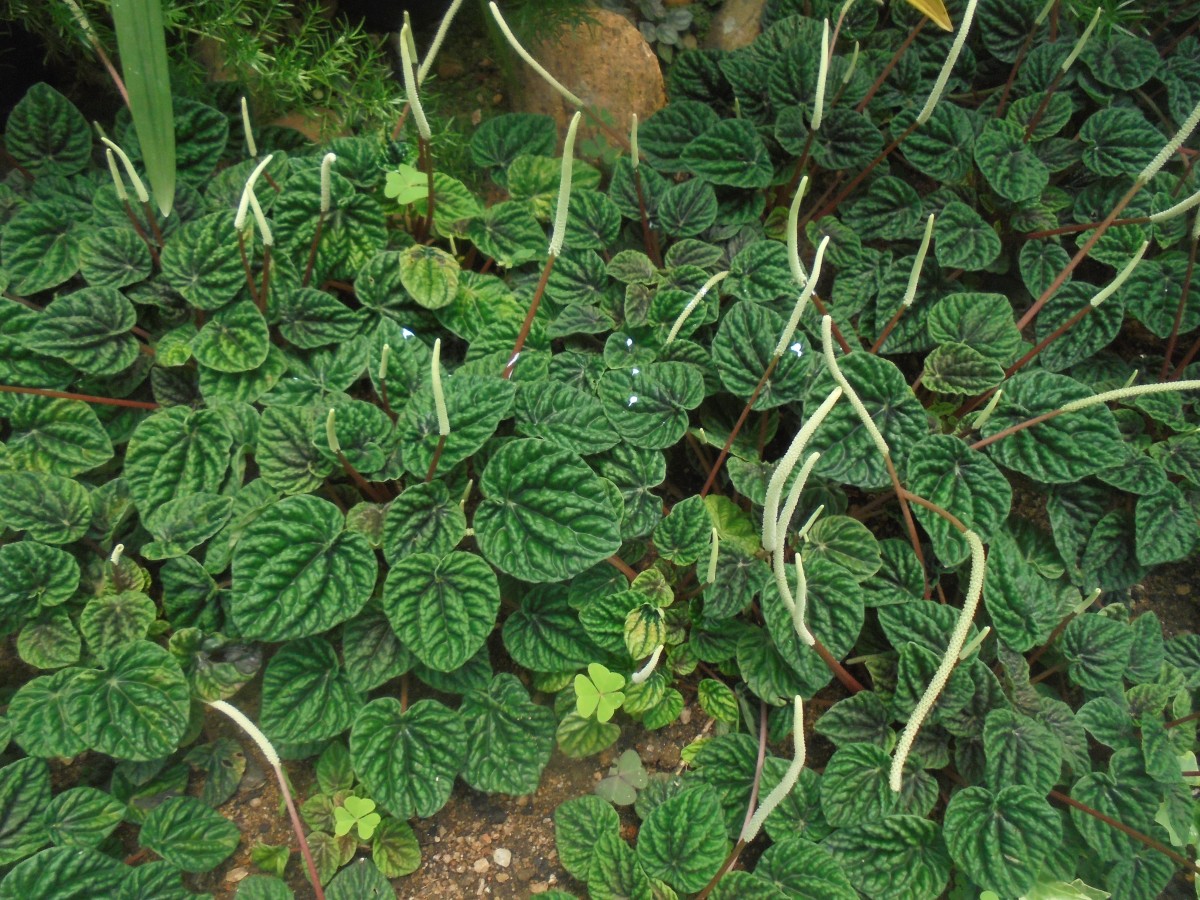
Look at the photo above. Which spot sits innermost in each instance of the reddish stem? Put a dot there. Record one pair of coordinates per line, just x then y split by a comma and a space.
86, 398
1138, 836
523, 334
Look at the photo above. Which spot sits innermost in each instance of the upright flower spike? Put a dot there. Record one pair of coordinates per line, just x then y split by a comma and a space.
851, 394
115, 558
118, 181
633, 145
910, 292
793, 234
648, 669
787, 463
384, 355
410, 84
327, 162
1174, 144
439, 399
264, 231
239, 220
532, 63
438, 37
1081, 43
251, 146
822, 76
810, 286
714, 548
331, 437
139, 189
939, 86
564, 187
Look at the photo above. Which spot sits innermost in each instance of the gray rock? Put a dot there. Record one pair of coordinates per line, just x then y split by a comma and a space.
735, 24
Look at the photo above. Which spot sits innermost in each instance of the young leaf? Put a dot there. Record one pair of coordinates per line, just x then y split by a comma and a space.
598, 692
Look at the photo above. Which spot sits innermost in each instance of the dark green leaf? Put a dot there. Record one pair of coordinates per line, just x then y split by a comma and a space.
960, 369
729, 152
408, 760
61, 437
1097, 651
88, 329
176, 452
189, 835
683, 840
40, 247
48, 508
963, 239
297, 572
1009, 165
24, 795
579, 826
201, 261
82, 817
894, 857
46, 134
648, 404
64, 873
1119, 141
509, 737
306, 696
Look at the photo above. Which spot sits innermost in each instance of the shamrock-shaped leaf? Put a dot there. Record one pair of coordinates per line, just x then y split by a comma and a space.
599, 692
625, 778
354, 811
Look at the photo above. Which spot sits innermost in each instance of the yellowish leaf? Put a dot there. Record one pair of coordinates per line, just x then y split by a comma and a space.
936, 10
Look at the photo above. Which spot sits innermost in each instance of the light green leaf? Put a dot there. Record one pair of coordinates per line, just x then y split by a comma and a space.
430, 275
579, 825
234, 339
65, 872
82, 817
34, 575
185, 523
24, 795
40, 247
202, 262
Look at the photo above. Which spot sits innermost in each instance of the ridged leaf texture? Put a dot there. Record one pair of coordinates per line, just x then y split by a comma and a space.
306, 695
509, 737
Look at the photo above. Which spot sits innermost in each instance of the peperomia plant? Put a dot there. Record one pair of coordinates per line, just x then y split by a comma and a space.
853, 402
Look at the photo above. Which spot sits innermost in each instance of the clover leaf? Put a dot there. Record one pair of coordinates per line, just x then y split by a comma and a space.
599, 692
356, 811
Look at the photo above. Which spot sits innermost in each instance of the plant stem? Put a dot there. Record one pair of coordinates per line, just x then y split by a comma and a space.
425, 163
623, 567
523, 334
437, 455
649, 238
1190, 717
1138, 836
86, 398
246, 268
261, 299
312, 250
1041, 109
1171, 342
887, 70
367, 489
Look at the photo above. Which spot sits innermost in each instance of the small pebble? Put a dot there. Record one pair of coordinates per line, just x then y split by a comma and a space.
539, 887
256, 802
236, 875
502, 877
686, 715
502, 856
481, 865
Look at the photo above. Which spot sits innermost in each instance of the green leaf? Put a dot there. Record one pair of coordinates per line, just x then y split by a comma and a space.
1063, 449
40, 247
509, 233
664, 135
361, 880
201, 261
863, 718
61, 437
593, 221
946, 471
395, 850
135, 707
959, 369
1119, 141
222, 763
48, 508
39, 716
942, 148
580, 824
234, 339
635, 472
24, 795
475, 406
1008, 163
176, 452
1166, 527
545, 634
1125, 797
847, 452
408, 760
718, 701
363, 431
1001, 839
306, 696
189, 835
683, 840
309, 318
1120, 60
579, 737
82, 817
743, 348
500, 140
287, 457
88, 329
890, 209
893, 857
113, 257
442, 609
685, 535
983, 322
113, 621
687, 209
423, 519
182, 524
47, 135
1020, 751
1040, 262
297, 572
33, 575
263, 887
525, 528
648, 404
854, 787
64, 872
430, 275
963, 239
804, 870
1022, 604
1090, 334
845, 542
598, 692
49, 641
729, 152
563, 416
510, 738
1097, 651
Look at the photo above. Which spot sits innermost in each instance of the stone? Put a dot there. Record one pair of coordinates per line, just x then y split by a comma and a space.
502, 856
606, 63
481, 865
736, 24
